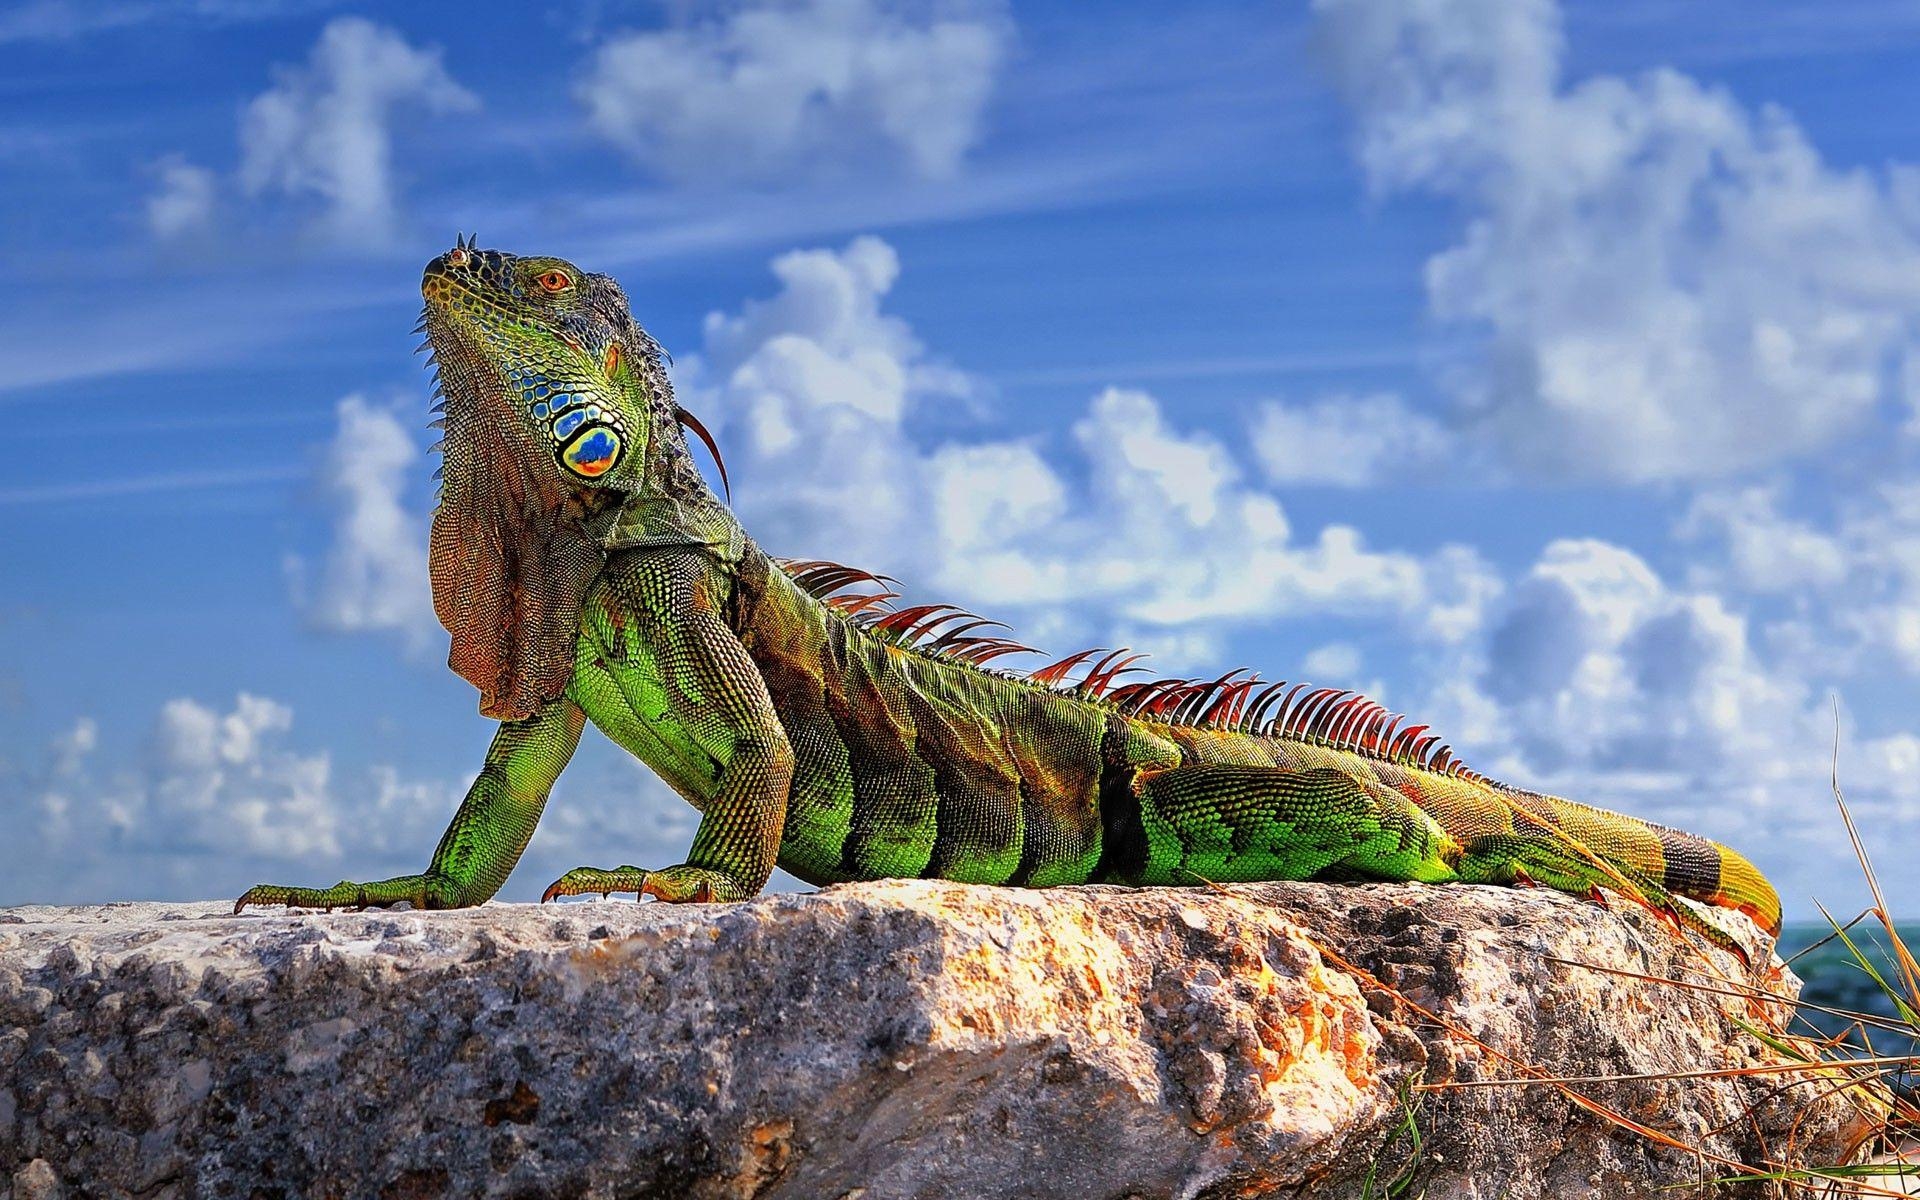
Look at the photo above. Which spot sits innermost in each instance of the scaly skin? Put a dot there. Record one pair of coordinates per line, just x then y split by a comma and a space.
586, 573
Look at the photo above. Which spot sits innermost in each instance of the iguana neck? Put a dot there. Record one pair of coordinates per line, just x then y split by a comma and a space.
669, 472
673, 504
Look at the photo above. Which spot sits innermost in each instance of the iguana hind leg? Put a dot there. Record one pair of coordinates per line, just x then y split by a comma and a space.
1244, 823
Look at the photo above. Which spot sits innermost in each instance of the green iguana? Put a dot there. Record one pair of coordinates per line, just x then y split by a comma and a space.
587, 573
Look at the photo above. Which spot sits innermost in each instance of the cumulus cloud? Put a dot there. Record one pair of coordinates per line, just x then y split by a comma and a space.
1347, 441
1586, 671
818, 389
1880, 599
322, 132
1852, 582
771, 88
1594, 677
1594, 660
216, 798
322, 137
1335, 662
1668, 284
1766, 550
374, 574
224, 782
212, 783
182, 203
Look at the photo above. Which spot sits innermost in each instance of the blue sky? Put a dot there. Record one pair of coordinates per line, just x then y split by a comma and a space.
1551, 372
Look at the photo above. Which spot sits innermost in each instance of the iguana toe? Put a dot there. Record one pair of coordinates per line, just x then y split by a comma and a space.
683, 884
583, 881
686, 884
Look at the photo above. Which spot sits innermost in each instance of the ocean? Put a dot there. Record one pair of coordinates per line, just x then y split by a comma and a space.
1836, 980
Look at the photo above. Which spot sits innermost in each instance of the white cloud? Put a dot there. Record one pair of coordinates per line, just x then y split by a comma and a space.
1336, 662
817, 390
1587, 672
1853, 585
212, 783
71, 749
183, 202
223, 782
1347, 441
1766, 550
1668, 284
1595, 678
323, 131
225, 797
374, 576
63, 20
217, 794
818, 376
772, 88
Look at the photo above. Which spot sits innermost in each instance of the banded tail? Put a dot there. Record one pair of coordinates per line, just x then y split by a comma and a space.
1671, 860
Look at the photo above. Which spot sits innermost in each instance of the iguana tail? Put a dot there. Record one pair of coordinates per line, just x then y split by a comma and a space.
1671, 860
1743, 887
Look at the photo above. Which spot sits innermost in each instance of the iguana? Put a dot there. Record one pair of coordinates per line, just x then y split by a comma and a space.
587, 573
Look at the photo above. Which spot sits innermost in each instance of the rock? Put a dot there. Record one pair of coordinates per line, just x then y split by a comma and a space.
36, 1181
898, 1039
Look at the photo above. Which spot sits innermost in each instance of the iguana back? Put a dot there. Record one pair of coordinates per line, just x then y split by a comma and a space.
914, 758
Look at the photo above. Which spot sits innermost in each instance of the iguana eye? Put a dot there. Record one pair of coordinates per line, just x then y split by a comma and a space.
554, 281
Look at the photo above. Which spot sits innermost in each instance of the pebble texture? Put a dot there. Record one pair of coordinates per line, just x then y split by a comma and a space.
898, 1039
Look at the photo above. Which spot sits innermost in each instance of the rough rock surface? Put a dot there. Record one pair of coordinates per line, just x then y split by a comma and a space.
901, 1039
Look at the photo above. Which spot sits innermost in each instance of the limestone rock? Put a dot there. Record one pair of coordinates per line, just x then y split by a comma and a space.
899, 1039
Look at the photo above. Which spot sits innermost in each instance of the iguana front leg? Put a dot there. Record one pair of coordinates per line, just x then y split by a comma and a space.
710, 726
490, 829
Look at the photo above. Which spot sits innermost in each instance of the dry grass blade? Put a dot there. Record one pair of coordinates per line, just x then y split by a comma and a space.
1909, 969
1532, 1074
1662, 1076
1739, 992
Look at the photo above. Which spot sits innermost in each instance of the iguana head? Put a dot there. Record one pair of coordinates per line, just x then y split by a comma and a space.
556, 408
550, 343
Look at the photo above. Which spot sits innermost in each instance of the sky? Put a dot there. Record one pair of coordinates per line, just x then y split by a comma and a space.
1549, 371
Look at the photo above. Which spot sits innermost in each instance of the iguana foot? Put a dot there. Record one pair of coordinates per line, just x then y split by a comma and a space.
586, 881
676, 885
421, 891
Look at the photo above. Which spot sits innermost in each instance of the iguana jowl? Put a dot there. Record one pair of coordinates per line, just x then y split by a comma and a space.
586, 573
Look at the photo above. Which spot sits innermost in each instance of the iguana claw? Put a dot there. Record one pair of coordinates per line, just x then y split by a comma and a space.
582, 881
